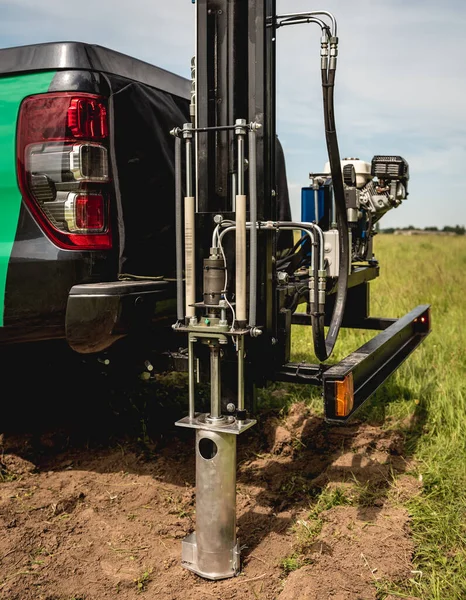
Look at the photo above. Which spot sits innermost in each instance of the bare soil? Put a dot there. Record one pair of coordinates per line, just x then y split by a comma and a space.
97, 491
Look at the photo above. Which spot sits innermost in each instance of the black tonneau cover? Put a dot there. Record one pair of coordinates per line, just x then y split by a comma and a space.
90, 57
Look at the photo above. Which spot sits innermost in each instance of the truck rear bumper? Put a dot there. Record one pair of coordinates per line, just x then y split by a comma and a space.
98, 314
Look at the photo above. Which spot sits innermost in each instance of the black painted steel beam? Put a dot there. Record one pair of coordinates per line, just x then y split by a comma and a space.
375, 361
368, 367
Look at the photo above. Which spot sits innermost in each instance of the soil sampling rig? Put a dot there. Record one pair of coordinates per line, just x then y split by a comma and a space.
243, 275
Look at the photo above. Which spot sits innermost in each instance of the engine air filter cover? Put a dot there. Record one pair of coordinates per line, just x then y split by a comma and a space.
390, 168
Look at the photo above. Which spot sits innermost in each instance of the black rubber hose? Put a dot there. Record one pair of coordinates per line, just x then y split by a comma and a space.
323, 346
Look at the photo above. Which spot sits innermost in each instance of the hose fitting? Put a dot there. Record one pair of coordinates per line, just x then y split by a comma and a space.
321, 287
333, 53
324, 51
311, 292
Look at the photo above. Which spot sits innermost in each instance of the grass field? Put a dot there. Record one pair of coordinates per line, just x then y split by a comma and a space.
426, 399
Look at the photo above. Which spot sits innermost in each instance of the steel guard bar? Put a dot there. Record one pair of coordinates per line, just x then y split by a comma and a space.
375, 361
368, 367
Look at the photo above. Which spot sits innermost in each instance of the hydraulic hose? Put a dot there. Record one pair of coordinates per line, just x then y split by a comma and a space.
323, 346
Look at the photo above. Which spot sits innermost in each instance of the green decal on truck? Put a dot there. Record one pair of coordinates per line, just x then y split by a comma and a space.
12, 91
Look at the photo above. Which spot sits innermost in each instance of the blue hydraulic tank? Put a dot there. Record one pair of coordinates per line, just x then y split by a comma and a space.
309, 204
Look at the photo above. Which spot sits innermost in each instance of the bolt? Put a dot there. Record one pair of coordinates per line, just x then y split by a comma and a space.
282, 277
231, 407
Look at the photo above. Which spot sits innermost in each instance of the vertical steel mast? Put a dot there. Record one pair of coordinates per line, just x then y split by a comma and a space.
235, 79
229, 153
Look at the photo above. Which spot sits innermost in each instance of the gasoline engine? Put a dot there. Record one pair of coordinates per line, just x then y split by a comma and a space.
245, 267
371, 190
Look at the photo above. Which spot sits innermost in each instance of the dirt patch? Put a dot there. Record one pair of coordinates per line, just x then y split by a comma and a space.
355, 549
85, 515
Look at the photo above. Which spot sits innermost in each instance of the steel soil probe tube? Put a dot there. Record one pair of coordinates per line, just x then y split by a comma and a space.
213, 550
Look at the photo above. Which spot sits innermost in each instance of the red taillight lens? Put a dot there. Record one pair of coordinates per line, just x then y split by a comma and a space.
87, 118
63, 167
90, 212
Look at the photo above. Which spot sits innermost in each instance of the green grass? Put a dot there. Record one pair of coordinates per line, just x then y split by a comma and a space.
143, 580
425, 399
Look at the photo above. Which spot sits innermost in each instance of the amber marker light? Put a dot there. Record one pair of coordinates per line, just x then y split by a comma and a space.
344, 396
422, 324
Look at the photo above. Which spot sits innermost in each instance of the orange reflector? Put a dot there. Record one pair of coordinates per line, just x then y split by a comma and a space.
344, 396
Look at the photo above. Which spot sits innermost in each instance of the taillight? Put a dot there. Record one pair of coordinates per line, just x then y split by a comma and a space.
87, 118
63, 167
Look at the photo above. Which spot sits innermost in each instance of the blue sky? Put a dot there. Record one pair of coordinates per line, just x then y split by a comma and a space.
401, 81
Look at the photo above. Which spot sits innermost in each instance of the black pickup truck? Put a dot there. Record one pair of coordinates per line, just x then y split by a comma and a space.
86, 194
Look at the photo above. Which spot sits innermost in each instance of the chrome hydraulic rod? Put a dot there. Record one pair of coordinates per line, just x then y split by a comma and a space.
240, 353
240, 215
191, 380
252, 170
215, 383
178, 232
189, 227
